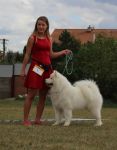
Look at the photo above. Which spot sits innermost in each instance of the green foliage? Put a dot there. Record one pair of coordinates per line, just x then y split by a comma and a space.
18, 57
69, 42
66, 42
9, 57
97, 61
12, 57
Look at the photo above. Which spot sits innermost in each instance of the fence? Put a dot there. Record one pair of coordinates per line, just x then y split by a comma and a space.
11, 84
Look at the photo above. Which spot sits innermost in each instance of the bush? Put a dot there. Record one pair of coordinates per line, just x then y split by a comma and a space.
98, 61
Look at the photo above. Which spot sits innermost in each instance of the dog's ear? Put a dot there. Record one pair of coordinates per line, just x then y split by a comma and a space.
52, 74
55, 73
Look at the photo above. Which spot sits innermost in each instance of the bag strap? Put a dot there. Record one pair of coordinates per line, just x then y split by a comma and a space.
35, 39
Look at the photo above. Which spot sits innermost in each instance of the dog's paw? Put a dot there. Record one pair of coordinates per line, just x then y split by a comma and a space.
98, 124
55, 124
66, 124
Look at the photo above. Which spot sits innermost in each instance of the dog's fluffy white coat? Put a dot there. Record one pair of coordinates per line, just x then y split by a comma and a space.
65, 97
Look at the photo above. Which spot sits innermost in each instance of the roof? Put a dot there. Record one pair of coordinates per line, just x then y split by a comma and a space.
84, 35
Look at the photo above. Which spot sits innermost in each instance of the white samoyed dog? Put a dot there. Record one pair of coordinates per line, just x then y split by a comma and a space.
65, 97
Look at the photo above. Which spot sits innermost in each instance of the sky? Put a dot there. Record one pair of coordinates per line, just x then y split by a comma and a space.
18, 17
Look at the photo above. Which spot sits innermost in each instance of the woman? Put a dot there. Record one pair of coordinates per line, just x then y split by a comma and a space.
39, 48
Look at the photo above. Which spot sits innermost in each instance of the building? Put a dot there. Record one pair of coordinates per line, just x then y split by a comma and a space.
85, 35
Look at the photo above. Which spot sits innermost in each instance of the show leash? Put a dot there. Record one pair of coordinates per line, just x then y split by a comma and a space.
68, 63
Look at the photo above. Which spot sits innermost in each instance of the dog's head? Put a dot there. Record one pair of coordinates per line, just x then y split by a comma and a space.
50, 81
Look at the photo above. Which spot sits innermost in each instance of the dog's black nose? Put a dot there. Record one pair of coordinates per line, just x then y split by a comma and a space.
49, 84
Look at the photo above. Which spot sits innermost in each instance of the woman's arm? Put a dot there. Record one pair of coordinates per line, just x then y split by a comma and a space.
58, 54
27, 54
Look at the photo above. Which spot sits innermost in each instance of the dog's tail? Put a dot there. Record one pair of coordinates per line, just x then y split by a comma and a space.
89, 89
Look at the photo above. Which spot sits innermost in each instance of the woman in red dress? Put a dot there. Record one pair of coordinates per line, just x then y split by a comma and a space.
39, 48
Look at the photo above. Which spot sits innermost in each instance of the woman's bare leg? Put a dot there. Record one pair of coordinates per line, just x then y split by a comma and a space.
40, 105
28, 102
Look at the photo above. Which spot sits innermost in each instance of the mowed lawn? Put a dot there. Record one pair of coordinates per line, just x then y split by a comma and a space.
80, 135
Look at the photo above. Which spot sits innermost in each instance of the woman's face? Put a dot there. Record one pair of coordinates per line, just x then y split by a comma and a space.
41, 26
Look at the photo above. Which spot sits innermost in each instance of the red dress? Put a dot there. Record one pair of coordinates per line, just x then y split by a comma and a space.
40, 55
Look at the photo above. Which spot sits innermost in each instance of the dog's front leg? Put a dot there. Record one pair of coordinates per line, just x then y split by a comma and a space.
57, 117
68, 116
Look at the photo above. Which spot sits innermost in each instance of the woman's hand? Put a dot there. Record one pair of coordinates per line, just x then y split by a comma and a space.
60, 53
22, 73
66, 51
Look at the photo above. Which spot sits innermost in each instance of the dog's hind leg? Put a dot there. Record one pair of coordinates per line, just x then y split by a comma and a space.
97, 114
68, 116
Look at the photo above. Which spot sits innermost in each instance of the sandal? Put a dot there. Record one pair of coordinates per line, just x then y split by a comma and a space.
37, 122
27, 123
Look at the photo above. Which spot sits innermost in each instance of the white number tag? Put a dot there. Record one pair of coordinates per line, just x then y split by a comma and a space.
38, 70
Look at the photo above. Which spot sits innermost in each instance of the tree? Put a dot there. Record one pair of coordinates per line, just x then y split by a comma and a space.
98, 61
18, 57
9, 57
12, 57
66, 42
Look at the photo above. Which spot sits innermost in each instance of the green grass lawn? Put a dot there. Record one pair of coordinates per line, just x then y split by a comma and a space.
78, 136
